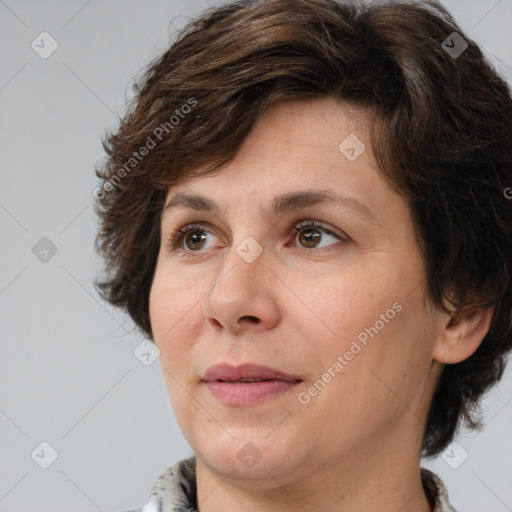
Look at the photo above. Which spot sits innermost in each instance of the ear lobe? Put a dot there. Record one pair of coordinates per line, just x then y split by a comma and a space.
462, 334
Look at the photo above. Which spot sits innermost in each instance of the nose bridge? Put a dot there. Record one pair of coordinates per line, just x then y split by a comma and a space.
249, 250
240, 290
241, 268
246, 253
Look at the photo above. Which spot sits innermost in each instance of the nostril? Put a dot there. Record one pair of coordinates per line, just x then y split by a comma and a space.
251, 318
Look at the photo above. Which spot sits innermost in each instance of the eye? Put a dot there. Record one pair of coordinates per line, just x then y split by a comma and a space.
193, 234
309, 234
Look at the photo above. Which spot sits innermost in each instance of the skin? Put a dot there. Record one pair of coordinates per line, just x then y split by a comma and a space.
296, 308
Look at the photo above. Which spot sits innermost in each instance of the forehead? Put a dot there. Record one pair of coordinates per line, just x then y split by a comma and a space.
314, 150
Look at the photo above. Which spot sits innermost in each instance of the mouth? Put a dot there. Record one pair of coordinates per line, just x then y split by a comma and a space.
248, 372
247, 384
244, 393
242, 380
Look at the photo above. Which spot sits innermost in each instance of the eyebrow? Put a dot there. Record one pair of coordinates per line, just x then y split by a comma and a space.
280, 204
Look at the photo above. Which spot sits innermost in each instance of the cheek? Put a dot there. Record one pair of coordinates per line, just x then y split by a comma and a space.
347, 303
369, 315
174, 307
175, 311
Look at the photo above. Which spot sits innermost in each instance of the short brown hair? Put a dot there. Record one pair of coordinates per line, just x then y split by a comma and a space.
444, 142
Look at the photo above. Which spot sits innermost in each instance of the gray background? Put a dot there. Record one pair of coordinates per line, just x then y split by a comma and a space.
68, 370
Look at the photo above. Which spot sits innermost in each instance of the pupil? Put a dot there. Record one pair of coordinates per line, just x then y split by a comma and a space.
311, 237
196, 239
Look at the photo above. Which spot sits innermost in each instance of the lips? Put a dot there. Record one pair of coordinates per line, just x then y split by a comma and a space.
246, 373
248, 384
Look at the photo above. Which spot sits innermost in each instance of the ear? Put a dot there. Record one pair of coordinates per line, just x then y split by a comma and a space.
462, 334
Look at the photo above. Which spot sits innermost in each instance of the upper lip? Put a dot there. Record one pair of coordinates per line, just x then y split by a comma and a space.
227, 372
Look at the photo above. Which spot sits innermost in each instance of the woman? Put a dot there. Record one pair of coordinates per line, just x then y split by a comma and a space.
305, 210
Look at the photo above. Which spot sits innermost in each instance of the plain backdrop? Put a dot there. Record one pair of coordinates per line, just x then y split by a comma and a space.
74, 396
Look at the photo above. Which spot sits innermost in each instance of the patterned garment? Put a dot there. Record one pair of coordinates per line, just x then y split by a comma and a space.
175, 490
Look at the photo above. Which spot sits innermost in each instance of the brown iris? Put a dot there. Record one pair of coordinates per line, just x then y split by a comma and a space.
309, 237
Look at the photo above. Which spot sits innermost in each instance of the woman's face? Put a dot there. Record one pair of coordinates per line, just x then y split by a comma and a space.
339, 305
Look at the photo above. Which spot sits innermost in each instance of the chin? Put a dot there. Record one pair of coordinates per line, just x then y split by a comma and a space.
250, 455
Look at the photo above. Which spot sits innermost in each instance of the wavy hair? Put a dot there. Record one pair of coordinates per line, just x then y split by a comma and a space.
442, 136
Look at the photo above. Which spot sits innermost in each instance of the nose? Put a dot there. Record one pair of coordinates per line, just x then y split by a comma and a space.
243, 296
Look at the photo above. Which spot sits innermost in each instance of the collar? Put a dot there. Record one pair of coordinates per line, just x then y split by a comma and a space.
175, 490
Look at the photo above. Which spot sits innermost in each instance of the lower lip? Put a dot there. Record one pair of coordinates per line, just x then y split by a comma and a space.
237, 393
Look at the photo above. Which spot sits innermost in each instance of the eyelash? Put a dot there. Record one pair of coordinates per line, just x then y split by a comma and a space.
176, 238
